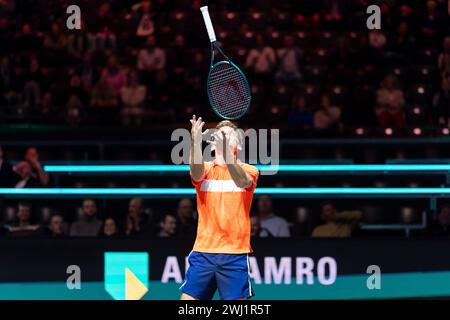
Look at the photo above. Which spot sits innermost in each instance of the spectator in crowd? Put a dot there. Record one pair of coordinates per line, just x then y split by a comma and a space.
256, 230
151, 64
32, 88
106, 39
25, 177
300, 116
288, 61
144, 16
444, 59
74, 110
56, 226
103, 96
337, 224
186, 223
109, 228
178, 60
402, 46
113, 76
441, 102
55, 45
79, 43
88, 224
261, 60
7, 175
377, 39
441, 225
133, 96
88, 73
275, 225
23, 226
431, 24
168, 226
26, 40
137, 222
390, 103
327, 117
47, 108
32, 157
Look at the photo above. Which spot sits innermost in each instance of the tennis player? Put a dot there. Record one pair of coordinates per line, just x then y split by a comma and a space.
225, 190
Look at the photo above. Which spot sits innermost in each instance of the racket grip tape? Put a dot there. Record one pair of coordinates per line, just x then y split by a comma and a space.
208, 23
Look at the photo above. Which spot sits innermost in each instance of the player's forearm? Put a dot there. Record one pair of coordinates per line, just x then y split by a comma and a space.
239, 176
196, 160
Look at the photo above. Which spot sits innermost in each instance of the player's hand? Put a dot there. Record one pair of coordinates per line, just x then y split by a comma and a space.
221, 144
196, 129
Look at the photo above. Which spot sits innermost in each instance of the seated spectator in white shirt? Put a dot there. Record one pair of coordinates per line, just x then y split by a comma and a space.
276, 225
328, 116
133, 96
151, 64
256, 230
168, 226
23, 227
288, 61
24, 176
88, 225
261, 60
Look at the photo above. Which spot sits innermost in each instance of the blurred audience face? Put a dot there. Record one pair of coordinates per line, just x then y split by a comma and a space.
56, 225
23, 169
185, 209
110, 227
264, 205
55, 28
259, 40
134, 79
26, 28
198, 57
31, 154
169, 225
179, 40
136, 207
89, 208
325, 101
151, 41
24, 213
328, 212
403, 28
390, 82
289, 41
444, 216
300, 104
255, 226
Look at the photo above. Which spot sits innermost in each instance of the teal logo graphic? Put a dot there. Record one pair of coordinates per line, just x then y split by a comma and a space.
126, 275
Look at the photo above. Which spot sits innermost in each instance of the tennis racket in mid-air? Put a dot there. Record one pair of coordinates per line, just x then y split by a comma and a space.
227, 87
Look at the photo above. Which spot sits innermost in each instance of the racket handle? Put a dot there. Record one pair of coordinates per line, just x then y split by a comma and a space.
208, 23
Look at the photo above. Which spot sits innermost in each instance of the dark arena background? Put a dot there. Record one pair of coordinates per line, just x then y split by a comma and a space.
356, 93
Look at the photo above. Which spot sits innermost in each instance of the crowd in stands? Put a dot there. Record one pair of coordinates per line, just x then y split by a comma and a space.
182, 224
312, 65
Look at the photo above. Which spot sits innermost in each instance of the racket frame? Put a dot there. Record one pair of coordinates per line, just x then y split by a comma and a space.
214, 45
227, 61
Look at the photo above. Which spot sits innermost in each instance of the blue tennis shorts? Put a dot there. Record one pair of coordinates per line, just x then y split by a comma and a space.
207, 272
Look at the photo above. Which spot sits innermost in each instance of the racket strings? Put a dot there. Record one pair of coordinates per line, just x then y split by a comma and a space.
228, 91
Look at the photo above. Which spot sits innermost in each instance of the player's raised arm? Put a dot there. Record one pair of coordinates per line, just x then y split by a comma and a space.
196, 157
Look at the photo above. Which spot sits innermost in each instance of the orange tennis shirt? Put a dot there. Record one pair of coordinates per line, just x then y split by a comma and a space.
223, 210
